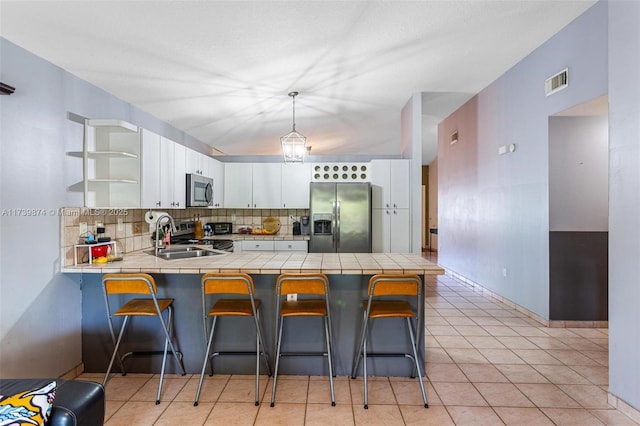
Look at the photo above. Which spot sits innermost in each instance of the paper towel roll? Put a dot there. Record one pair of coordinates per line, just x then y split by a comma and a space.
151, 217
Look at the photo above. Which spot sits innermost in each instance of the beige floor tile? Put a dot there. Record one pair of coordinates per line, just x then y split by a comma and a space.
561, 374
409, 393
483, 373
571, 416
211, 389
437, 372
184, 413
581, 344
548, 342
378, 415
613, 417
137, 413
289, 391
516, 342
500, 330
547, 395
121, 388
456, 321
233, 414
471, 330
536, 357
503, 395
600, 357
320, 393
474, 416
515, 321
420, 416
571, 357
501, 356
284, 414
459, 394
110, 407
244, 390
436, 320
437, 355
588, 396
487, 342
529, 331
442, 330
380, 391
466, 356
521, 374
486, 320
170, 388
595, 374
326, 415
453, 342
517, 416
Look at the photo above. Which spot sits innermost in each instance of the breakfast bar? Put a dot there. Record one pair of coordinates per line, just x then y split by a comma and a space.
179, 279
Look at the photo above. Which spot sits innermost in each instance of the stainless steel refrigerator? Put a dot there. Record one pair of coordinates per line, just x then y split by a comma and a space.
340, 218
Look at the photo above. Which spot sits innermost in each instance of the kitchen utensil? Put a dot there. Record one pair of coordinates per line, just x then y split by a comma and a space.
100, 251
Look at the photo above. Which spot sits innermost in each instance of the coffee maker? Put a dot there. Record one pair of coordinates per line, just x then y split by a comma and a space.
305, 225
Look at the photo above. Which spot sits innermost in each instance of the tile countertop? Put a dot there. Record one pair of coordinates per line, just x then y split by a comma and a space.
264, 263
240, 237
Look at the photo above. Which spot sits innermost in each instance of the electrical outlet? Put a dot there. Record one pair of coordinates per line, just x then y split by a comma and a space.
292, 297
83, 229
120, 225
233, 218
504, 272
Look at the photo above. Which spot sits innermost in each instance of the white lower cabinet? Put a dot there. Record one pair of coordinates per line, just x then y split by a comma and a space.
271, 245
391, 230
257, 245
284, 245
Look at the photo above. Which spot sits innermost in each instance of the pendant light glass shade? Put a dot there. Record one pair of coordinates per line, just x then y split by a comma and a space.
293, 143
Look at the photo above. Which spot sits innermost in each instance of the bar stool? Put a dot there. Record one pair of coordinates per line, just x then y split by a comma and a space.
238, 284
303, 284
390, 285
120, 284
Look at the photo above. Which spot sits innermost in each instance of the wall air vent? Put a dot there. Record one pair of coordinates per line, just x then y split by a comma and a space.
557, 82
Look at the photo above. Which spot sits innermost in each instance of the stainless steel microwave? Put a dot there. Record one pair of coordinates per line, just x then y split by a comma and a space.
199, 191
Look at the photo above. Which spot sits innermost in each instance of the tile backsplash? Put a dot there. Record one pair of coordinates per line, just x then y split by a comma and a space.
131, 233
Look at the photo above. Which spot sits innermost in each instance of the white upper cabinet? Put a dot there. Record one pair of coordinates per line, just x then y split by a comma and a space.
267, 181
390, 182
252, 185
197, 163
238, 185
172, 174
216, 172
151, 193
111, 156
295, 185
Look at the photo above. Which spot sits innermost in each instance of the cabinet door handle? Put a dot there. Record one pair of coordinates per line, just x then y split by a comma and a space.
178, 204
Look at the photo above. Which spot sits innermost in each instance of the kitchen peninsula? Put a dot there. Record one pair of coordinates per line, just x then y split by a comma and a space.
348, 273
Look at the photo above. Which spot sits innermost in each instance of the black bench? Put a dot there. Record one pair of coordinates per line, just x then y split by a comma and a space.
77, 402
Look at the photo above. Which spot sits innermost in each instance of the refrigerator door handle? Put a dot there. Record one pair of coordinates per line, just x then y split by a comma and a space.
338, 224
334, 227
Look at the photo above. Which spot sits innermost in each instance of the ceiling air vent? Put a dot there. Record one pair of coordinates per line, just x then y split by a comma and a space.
557, 82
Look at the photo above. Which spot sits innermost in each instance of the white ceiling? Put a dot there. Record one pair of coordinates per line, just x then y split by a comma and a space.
221, 70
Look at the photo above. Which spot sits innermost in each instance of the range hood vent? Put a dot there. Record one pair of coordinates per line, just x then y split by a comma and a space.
557, 82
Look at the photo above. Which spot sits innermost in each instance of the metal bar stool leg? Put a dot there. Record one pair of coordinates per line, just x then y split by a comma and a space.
329, 358
417, 363
115, 351
204, 363
364, 372
275, 373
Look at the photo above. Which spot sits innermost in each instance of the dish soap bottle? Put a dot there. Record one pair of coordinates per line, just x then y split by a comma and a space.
198, 231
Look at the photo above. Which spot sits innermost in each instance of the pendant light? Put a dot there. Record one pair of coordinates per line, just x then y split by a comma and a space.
293, 143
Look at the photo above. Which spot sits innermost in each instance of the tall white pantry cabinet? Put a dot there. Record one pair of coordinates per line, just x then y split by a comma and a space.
391, 212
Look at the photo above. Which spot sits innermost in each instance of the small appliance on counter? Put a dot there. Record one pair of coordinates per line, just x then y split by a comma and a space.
305, 225
221, 228
296, 228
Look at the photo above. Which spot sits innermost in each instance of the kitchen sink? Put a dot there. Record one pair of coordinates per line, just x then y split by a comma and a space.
184, 252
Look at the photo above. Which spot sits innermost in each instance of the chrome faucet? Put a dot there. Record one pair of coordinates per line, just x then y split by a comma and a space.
159, 226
